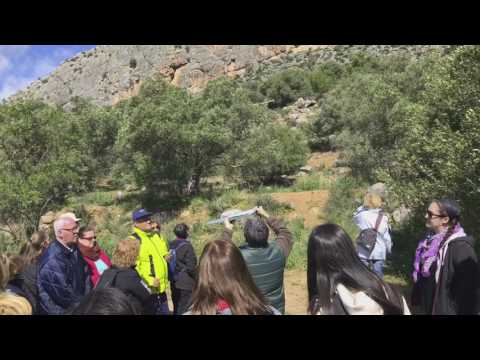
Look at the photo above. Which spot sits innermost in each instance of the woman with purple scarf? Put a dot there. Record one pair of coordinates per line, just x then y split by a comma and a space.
445, 267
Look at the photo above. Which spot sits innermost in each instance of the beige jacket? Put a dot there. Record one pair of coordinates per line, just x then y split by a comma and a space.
359, 303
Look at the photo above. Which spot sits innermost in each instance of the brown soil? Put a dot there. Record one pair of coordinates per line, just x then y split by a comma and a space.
306, 204
296, 295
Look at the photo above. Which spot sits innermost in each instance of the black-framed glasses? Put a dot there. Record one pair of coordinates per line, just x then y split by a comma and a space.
431, 214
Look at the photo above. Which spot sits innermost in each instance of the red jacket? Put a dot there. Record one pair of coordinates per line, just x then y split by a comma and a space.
95, 271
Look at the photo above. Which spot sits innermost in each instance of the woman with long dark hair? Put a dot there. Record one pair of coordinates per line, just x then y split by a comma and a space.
224, 285
445, 267
339, 283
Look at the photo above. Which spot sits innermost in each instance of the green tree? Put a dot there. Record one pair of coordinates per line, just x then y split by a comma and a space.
42, 160
270, 151
98, 128
151, 144
287, 86
441, 156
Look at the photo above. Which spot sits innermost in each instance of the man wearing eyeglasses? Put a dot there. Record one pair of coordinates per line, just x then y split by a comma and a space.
152, 260
63, 275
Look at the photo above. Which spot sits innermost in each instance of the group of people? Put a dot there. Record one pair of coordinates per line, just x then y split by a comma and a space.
73, 275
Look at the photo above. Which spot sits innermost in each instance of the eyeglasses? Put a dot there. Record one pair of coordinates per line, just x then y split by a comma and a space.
431, 214
89, 238
72, 230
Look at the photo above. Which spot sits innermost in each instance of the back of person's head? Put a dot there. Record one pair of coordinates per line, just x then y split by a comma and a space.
332, 260
372, 201
181, 231
11, 304
256, 232
34, 247
449, 208
126, 253
17, 264
106, 301
223, 275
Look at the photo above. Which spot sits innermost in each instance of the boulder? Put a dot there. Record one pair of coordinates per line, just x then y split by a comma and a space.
48, 218
306, 169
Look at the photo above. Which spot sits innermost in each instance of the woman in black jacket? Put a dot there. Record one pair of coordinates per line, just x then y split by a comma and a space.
183, 271
123, 276
446, 267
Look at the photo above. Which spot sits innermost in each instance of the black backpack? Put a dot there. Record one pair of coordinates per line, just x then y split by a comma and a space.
367, 238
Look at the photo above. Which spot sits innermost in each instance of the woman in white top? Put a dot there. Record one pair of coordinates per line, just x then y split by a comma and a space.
365, 218
339, 283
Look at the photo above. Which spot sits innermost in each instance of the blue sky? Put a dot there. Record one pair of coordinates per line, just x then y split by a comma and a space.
22, 64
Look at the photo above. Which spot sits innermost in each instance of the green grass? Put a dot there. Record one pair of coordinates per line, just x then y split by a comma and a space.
99, 197
343, 202
114, 229
344, 194
298, 256
310, 182
316, 181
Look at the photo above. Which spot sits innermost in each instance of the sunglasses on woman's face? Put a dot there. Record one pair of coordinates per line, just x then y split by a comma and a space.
431, 214
89, 238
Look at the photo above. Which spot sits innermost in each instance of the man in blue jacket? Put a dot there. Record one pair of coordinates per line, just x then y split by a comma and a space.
63, 276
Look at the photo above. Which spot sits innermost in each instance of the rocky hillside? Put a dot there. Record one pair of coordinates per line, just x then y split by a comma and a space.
110, 73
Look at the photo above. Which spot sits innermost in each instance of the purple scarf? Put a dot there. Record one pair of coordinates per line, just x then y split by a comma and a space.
427, 252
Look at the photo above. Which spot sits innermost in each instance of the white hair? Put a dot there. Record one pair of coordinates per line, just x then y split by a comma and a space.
59, 224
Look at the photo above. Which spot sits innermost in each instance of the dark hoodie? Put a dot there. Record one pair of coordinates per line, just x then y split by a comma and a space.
457, 286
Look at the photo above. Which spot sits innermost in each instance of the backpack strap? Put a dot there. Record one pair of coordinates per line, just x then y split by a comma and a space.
379, 220
184, 242
108, 278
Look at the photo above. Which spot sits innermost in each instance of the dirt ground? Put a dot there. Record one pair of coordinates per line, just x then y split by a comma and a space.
306, 204
296, 297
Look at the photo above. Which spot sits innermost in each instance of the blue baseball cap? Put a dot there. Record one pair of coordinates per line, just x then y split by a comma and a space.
140, 214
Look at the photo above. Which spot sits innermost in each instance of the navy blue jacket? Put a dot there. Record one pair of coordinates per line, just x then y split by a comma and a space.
63, 279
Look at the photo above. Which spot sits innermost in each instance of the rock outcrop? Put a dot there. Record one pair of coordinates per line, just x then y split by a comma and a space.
108, 74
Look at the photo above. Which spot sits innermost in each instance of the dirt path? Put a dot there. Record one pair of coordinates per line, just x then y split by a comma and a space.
296, 296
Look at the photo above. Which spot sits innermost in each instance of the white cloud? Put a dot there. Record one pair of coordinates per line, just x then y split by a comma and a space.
11, 84
18, 79
4, 63
19, 67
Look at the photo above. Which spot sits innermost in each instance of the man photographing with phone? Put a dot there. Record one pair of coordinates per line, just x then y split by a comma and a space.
266, 260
